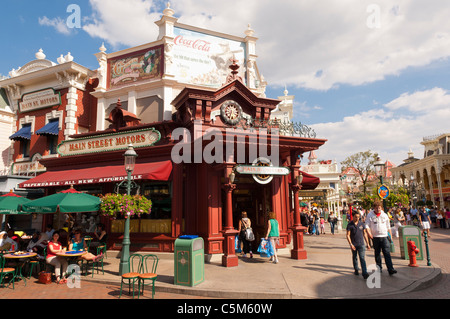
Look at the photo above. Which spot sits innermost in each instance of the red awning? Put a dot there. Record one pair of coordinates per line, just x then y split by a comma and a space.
309, 182
159, 171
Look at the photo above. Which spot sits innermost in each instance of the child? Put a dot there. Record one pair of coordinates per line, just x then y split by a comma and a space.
322, 225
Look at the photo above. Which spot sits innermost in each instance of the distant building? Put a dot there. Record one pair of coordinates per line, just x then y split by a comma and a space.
429, 178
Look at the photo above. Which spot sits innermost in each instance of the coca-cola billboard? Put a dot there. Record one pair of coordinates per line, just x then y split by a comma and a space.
203, 59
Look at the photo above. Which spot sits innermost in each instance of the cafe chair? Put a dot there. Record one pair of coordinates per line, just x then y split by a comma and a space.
31, 265
98, 263
148, 273
135, 262
6, 272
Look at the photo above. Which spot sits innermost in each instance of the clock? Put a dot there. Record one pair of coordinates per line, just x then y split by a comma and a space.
231, 112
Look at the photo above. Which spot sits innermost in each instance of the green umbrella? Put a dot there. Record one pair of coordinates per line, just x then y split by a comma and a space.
68, 201
10, 203
64, 202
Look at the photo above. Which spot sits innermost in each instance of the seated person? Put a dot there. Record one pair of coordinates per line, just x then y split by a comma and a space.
4, 244
16, 240
101, 237
78, 243
38, 243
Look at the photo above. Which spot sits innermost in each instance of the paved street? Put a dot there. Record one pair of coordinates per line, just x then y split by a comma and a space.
439, 251
439, 245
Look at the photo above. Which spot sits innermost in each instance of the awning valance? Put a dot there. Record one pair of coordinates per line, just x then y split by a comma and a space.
158, 171
23, 134
309, 182
52, 128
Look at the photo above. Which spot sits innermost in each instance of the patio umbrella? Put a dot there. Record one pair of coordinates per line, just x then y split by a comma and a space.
68, 201
10, 204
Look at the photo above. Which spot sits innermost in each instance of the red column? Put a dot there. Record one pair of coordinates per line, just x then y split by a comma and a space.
298, 251
229, 259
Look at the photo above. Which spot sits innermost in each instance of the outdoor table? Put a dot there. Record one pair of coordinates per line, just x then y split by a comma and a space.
71, 255
21, 258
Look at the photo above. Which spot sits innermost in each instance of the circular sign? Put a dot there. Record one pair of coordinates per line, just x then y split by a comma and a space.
383, 191
262, 179
231, 112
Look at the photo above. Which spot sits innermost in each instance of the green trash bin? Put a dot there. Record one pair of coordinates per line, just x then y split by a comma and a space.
189, 261
407, 233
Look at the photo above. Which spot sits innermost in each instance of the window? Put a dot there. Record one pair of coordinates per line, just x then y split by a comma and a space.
52, 141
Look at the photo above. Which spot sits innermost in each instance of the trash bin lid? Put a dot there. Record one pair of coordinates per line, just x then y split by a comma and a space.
188, 236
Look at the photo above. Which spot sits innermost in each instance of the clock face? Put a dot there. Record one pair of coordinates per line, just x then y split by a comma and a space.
231, 112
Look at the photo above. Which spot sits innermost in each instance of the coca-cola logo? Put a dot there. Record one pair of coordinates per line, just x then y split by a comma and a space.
196, 44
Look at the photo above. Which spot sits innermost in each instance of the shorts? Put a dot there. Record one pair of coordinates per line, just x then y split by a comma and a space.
425, 225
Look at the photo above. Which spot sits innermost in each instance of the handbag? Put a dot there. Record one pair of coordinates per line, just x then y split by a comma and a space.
249, 236
45, 277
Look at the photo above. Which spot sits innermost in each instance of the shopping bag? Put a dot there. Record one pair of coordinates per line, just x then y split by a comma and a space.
263, 248
237, 244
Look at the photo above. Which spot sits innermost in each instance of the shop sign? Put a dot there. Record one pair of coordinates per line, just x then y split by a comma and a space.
262, 170
204, 59
109, 142
26, 168
383, 191
135, 67
39, 99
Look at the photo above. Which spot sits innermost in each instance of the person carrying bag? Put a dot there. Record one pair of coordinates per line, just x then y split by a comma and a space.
246, 234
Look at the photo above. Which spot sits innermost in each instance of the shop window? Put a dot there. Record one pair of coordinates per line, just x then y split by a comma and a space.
160, 218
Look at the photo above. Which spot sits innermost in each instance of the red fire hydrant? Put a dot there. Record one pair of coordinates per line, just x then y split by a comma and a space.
412, 251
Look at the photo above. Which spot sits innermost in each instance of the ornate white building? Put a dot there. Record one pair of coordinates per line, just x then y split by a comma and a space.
428, 178
329, 187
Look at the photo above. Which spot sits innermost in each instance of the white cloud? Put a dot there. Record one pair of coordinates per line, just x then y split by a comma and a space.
311, 44
422, 101
129, 23
386, 132
57, 23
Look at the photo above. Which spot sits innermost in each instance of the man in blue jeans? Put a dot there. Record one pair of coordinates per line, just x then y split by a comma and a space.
357, 238
379, 230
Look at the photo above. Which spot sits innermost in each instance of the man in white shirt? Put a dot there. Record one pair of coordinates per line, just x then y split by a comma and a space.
379, 228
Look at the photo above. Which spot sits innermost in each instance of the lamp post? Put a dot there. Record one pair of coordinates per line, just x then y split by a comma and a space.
130, 161
380, 171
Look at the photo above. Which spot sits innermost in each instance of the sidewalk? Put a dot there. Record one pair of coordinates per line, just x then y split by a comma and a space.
326, 273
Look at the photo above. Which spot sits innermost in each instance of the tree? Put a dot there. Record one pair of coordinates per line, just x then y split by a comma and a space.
362, 162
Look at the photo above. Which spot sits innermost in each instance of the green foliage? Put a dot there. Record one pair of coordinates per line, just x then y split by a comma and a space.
125, 205
397, 198
363, 163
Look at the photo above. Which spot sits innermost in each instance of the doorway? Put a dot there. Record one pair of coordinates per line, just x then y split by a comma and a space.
256, 200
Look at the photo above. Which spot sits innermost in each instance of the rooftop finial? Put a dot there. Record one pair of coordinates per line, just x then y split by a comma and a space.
168, 11
40, 55
102, 48
249, 32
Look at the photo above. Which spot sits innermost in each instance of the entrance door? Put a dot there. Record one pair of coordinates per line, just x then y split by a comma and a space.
256, 200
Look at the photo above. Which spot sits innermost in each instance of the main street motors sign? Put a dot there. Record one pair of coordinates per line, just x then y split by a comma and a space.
109, 142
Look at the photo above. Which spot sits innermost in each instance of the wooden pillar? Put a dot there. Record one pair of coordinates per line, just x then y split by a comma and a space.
229, 259
298, 251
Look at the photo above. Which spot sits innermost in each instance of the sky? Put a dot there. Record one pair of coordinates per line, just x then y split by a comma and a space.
366, 75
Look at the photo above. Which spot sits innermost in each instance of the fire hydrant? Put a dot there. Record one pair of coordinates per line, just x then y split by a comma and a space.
412, 251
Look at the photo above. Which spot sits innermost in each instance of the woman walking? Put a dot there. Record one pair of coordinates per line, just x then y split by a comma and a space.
273, 234
245, 223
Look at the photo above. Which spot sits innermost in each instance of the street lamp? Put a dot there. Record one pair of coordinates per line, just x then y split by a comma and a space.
380, 170
130, 161
380, 167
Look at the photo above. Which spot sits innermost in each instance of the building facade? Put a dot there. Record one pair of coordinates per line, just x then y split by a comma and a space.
193, 105
428, 179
